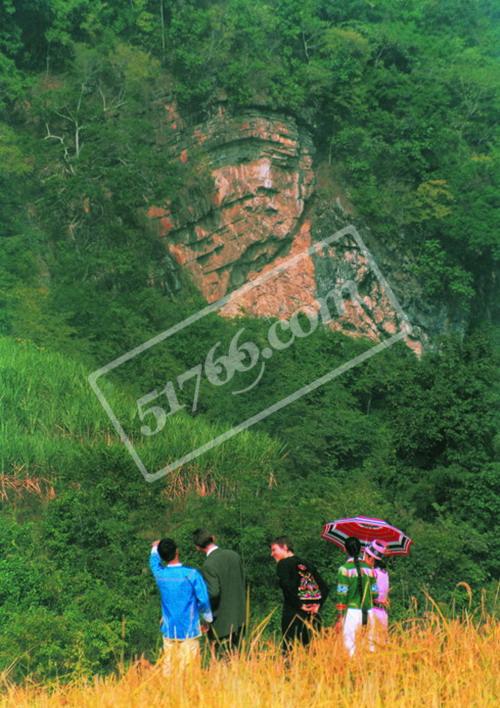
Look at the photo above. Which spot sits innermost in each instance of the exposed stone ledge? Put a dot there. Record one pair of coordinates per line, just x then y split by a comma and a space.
257, 214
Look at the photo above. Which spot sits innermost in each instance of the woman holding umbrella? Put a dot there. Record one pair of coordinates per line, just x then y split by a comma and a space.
356, 591
356, 602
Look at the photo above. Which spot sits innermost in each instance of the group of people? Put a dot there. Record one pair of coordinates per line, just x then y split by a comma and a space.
213, 601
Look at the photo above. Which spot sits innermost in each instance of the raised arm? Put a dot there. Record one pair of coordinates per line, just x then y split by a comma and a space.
155, 560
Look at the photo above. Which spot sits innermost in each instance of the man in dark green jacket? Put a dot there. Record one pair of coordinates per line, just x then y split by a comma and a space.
223, 573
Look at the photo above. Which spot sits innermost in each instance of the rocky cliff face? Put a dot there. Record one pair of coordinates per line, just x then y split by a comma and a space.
262, 177
256, 212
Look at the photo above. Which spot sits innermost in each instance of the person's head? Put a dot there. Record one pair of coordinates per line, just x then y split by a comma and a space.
168, 551
375, 553
281, 547
203, 539
352, 547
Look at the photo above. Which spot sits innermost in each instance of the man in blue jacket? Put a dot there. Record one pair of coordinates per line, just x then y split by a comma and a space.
184, 596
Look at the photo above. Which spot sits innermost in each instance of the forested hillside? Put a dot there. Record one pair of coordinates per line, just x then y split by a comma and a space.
400, 100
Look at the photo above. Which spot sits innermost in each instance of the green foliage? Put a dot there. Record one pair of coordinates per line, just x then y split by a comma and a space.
401, 99
80, 566
411, 441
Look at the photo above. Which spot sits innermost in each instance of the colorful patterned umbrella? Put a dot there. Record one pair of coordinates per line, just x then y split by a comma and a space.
366, 530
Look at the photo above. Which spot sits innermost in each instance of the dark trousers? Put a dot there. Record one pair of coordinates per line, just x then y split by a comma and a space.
225, 645
298, 627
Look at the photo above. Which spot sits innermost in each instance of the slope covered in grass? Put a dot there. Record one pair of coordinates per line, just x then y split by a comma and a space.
77, 516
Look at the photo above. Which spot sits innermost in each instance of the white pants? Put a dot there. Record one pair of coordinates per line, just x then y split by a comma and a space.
179, 654
353, 623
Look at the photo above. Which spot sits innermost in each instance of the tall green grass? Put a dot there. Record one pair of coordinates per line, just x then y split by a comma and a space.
51, 419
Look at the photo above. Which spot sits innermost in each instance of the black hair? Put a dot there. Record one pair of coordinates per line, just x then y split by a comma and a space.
282, 541
360, 590
353, 546
380, 564
202, 538
167, 548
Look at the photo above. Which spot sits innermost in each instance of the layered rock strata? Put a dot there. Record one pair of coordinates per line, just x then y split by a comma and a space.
254, 216
262, 174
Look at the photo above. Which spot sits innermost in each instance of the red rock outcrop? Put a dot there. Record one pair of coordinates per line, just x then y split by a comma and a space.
362, 309
281, 296
253, 218
262, 174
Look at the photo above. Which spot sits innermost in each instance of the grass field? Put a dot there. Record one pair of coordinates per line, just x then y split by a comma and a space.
50, 416
430, 662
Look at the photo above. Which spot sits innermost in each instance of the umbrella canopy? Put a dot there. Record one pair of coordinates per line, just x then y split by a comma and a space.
366, 530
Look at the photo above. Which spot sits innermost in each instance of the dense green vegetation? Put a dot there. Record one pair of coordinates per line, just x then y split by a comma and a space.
401, 97
402, 102
74, 581
75, 566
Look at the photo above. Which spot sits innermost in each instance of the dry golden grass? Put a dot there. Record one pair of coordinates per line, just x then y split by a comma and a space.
431, 664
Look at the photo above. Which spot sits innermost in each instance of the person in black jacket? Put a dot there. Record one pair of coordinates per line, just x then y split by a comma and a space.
304, 593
